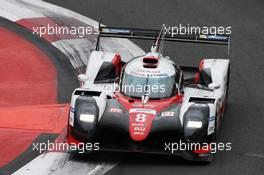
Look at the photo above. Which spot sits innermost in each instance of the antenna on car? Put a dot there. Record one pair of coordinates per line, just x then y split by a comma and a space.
158, 45
98, 38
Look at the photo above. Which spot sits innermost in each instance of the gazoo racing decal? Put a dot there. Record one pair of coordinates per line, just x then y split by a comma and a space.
140, 121
211, 125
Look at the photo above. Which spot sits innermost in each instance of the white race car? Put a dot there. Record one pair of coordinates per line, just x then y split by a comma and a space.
150, 104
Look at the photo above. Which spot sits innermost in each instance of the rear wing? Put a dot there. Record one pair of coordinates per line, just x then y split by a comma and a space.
151, 34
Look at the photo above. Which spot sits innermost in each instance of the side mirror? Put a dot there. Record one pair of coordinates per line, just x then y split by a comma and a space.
82, 78
214, 86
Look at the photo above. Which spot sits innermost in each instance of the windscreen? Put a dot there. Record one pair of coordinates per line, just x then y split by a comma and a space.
155, 87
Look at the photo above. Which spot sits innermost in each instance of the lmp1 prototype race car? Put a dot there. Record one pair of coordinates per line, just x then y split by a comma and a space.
150, 102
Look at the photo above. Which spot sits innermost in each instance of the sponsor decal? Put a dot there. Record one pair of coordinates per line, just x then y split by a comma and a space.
142, 110
71, 118
217, 37
211, 125
149, 71
167, 114
142, 73
157, 75
119, 30
140, 121
116, 110
72, 110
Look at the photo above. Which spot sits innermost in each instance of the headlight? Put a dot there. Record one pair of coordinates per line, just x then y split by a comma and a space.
194, 124
88, 118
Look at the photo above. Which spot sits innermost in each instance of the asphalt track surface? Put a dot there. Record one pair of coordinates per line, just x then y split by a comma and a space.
244, 120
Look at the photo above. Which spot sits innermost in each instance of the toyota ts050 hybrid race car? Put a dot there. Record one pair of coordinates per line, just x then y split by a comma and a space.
158, 102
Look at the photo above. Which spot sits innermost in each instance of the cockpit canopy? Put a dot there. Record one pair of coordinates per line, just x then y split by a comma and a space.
158, 82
